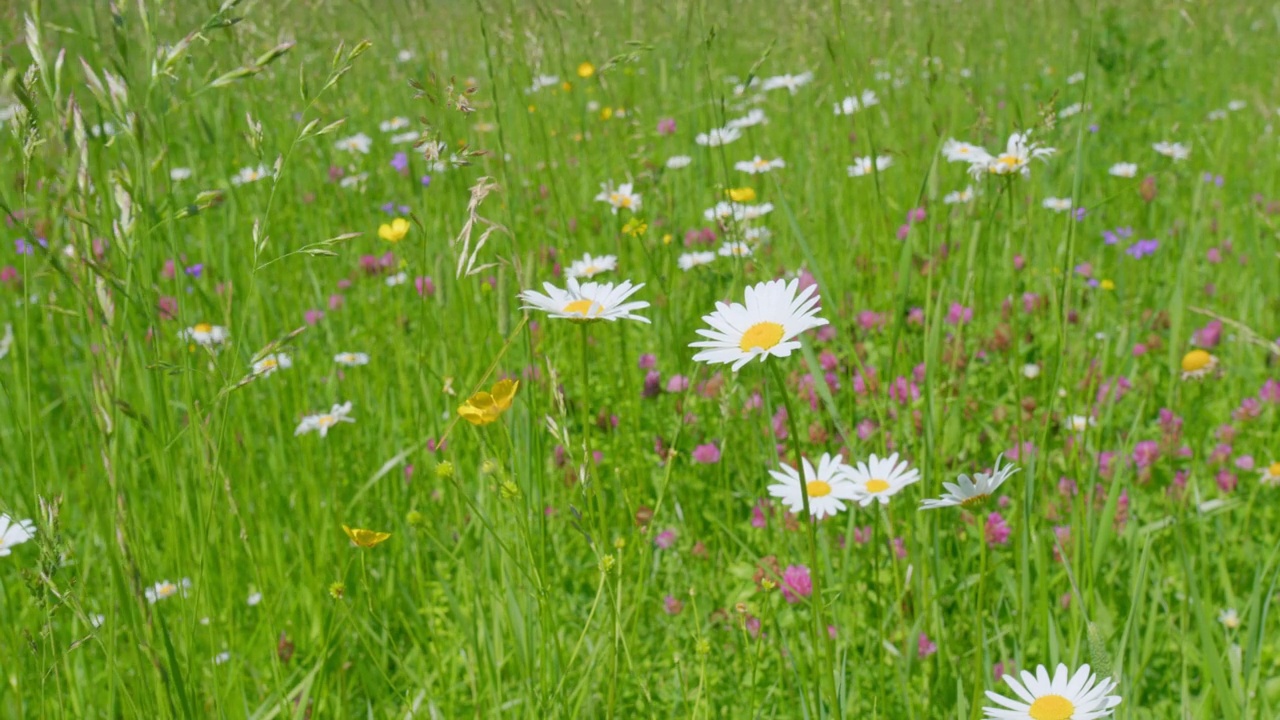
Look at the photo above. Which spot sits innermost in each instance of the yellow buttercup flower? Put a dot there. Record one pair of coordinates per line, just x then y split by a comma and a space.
586, 70
745, 194
365, 538
635, 227
606, 113
1107, 285
485, 407
394, 231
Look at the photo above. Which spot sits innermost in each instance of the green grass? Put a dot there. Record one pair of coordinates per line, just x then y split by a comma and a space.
524, 581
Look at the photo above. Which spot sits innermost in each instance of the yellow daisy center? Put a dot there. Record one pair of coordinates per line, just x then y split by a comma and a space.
583, 307
167, 589
818, 488
876, 485
269, 363
203, 328
326, 421
1008, 161
1274, 470
763, 335
1051, 707
590, 270
1196, 360
975, 500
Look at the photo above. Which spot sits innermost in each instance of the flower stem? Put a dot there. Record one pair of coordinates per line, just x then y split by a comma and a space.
980, 646
815, 571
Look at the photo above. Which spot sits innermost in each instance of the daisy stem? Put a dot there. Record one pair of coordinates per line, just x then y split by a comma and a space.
814, 570
980, 646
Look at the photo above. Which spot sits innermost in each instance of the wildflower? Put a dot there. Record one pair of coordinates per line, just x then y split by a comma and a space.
634, 227
665, 539
1142, 248
958, 314
759, 165
790, 82
735, 249
221, 657
164, 590
742, 195
774, 314
323, 421
483, 408
689, 261
1016, 158
955, 151
959, 196
796, 583
1080, 423
1271, 474
271, 363
997, 530
14, 533
394, 124
881, 478
925, 647
1197, 364
622, 197
250, 174
394, 231
351, 359
827, 487
672, 606
358, 143
968, 493
1031, 371
1057, 204
179, 174
365, 538
586, 70
590, 266
707, 454
399, 278
851, 104
751, 119
205, 335
676, 162
1065, 696
718, 137
253, 599
1124, 170
1173, 150
865, 165
592, 301
1229, 618
667, 126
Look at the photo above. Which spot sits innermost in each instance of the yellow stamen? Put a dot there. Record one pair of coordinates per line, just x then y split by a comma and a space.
583, 307
818, 488
203, 328
762, 335
1196, 360
1051, 707
876, 485
975, 500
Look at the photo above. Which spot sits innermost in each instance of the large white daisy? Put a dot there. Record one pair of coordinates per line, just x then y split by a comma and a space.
1065, 696
774, 314
956, 151
321, 423
881, 478
967, 493
590, 266
827, 487
589, 301
1016, 158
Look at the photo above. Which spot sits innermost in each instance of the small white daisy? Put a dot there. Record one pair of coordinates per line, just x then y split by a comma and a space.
1031, 371
882, 478
272, 363
1229, 618
619, 198
251, 174
399, 278
1079, 423
863, 166
14, 533
851, 104
967, 493
221, 657
358, 143
959, 196
405, 137
790, 82
1057, 204
753, 117
321, 423
179, 174
1236, 105
589, 266
756, 234
1124, 170
253, 599
205, 334
1173, 150
589, 301
1016, 158
956, 151
689, 261
1271, 474
351, 359
735, 249
718, 137
164, 590
1065, 696
676, 162
394, 124
827, 487
774, 314
1075, 78
758, 165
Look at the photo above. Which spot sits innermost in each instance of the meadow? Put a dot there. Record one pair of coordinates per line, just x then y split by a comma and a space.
695, 359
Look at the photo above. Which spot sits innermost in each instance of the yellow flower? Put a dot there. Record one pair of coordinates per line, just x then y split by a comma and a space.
566, 86
365, 538
394, 231
635, 227
745, 194
1107, 285
666, 239
586, 70
606, 113
533, 108
485, 407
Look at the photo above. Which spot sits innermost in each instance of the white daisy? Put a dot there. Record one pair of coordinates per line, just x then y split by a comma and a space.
351, 359
1271, 474
1065, 696
164, 590
543, 81
689, 261
863, 165
851, 104
352, 181
221, 657
1124, 170
1229, 618
718, 137
1057, 204
1072, 109
1198, 364
758, 165
1236, 105
756, 234
767, 325
1216, 115
676, 162
621, 197
827, 487
253, 599
339, 413
1016, 158
955, 151
14, 533
1079, 423
1075, 78
272, 363
394, 124
251, 174
589, 266
405, 137
179, 174
754, 117
790, 82
404, 56
882, 478
722, 211
959, 196
1174, 150
967, 493
1031, 371
590, 301
735, 249
399, 278
358, 143
751, 212
205, 335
